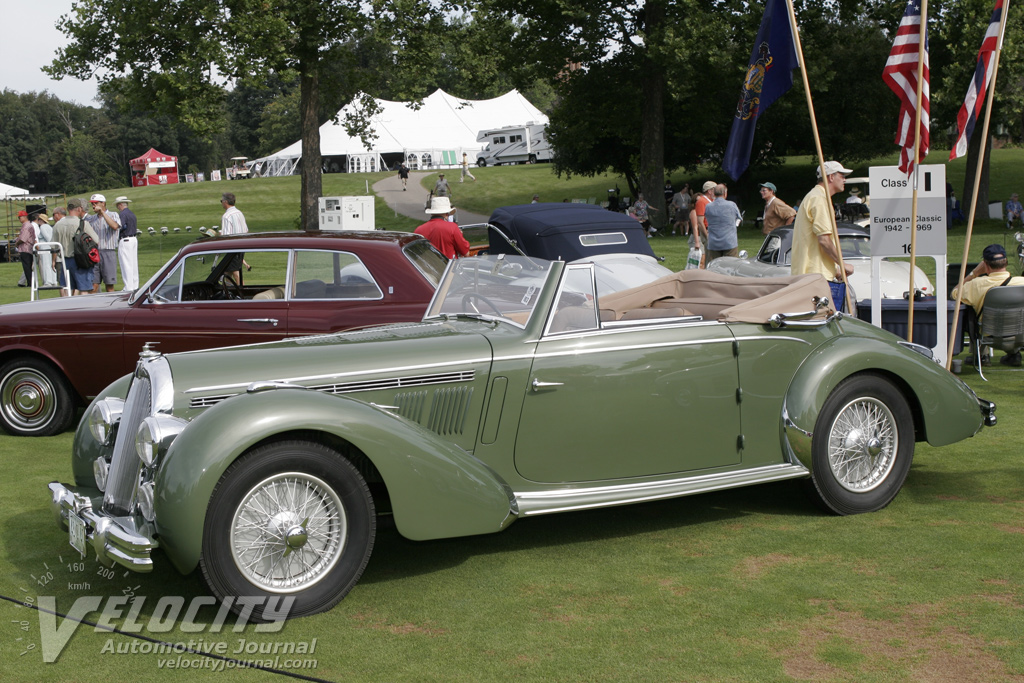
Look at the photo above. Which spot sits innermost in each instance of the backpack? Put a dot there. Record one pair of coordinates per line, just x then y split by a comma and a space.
87, 254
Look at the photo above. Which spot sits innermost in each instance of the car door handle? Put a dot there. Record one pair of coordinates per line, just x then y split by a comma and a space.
272, 321
538, 385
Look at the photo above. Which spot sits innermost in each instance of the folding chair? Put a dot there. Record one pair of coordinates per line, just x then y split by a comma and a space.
1002, 322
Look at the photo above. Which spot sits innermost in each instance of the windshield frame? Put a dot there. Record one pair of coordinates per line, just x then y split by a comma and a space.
531, 276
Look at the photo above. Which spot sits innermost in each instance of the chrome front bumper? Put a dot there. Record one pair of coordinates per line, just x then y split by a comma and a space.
116, 540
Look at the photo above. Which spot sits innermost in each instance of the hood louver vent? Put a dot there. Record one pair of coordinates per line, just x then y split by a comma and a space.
448, 410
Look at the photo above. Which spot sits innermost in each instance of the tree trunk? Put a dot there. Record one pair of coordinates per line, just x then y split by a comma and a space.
310, 164
652, 127
981, 209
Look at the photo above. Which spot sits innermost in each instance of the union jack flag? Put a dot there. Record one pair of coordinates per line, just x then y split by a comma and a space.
975, 99
900, 74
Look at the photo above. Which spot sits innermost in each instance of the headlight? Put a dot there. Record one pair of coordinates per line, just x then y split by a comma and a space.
100, 469
145, 500
155, 436
103, 419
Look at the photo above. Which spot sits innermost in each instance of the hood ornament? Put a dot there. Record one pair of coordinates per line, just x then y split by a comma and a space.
147, 350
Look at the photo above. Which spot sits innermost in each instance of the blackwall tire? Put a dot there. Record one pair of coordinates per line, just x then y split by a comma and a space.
290, 519
35, 399
863, 446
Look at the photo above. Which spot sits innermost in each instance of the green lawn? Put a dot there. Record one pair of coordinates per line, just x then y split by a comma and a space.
747, 585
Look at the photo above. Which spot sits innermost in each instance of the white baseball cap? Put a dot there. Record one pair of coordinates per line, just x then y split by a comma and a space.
834, 167
97, 198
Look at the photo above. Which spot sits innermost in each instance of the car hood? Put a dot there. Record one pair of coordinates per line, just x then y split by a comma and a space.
45, 307
378, 358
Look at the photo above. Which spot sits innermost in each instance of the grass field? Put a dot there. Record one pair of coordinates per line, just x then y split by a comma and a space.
747, 585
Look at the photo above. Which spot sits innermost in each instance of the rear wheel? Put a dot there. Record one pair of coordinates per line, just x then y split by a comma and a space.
35, 399
532, 159
289, 520
862, 447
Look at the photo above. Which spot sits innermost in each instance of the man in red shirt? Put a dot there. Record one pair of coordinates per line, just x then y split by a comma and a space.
442, 233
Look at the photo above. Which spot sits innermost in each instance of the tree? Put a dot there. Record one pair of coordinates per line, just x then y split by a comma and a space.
957, 28
181, 72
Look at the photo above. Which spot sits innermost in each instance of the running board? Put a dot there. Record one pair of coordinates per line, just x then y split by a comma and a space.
565, 500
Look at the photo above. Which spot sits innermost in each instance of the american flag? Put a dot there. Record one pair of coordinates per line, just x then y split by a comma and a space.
971, 108
900, 74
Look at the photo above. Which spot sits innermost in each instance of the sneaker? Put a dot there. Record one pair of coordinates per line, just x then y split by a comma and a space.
1011, 359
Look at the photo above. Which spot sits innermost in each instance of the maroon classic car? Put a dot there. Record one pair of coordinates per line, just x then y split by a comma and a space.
58, 353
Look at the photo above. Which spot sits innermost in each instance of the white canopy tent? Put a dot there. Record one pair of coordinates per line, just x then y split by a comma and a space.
10, 191
434, 135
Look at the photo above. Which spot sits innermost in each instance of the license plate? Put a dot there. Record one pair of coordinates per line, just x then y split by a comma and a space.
76, 532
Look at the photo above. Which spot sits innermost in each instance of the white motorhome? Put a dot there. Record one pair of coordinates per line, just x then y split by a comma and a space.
514, 145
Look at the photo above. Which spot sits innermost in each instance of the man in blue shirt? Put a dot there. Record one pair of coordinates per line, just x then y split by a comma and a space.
723, 218
128, 245
1014, 211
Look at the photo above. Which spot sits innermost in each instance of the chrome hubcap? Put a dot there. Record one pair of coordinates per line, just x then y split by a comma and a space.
288, 532
862, 444
28, 399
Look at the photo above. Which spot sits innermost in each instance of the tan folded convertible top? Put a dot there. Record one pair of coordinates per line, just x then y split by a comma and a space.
722, 297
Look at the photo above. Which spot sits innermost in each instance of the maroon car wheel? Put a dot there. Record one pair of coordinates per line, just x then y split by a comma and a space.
34, 398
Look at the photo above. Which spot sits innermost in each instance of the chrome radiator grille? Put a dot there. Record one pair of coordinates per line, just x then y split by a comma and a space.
125, 465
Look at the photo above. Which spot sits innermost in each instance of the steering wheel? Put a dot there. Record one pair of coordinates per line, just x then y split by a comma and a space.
467, 303
230, 288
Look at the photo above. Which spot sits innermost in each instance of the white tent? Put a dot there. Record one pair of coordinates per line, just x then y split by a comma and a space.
12, 192
434, 135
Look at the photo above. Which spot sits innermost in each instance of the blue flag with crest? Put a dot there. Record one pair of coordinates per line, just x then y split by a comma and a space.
769, 76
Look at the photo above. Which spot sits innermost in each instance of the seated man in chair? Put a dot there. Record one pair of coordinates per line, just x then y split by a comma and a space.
991, 272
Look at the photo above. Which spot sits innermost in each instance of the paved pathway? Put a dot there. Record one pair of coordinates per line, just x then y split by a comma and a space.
412, 202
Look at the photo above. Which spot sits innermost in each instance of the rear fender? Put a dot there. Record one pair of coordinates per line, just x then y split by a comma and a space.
437, 490
945, 409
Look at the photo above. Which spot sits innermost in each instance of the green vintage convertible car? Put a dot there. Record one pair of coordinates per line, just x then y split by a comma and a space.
520, 393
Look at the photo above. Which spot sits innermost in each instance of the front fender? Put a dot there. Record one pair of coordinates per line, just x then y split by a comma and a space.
437, 490
945, 409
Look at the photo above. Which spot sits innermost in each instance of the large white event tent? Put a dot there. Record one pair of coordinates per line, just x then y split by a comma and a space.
10, 191
431, 136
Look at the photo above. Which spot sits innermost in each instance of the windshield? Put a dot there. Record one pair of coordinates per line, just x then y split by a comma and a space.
855, 246
498, 287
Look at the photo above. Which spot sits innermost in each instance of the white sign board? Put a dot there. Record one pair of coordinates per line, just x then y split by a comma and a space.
892, 195
347, 213
891, 198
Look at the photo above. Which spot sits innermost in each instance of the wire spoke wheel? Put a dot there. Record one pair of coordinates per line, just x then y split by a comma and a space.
293, 519
288, 532
862, 444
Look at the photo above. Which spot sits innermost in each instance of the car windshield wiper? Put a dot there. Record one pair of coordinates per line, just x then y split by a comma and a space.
463, 315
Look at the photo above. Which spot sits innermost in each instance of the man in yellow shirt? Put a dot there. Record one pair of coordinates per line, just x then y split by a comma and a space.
991, 272
814, 249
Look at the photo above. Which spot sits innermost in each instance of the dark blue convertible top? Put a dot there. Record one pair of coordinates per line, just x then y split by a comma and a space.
567, 232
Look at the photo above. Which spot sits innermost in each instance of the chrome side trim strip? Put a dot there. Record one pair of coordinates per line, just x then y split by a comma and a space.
340, 375
565, 500
355, 387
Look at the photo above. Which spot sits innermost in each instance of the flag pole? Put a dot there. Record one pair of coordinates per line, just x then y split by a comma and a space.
922, 38
817, 147
977, 177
